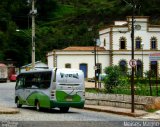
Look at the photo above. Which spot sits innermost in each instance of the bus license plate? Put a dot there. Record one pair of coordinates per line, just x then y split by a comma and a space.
69, 99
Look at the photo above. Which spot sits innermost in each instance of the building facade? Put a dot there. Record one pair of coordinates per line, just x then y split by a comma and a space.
117, 39
115, 49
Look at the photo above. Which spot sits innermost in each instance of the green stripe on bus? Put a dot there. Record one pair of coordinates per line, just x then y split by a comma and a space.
43, 99
62, 96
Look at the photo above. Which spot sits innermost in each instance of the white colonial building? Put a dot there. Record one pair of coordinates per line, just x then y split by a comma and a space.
115, 48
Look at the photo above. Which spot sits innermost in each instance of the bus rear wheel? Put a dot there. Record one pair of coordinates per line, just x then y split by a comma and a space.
64, 109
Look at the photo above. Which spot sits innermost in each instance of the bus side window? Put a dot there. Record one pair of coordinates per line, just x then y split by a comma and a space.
28, 81
35, 81
45, 80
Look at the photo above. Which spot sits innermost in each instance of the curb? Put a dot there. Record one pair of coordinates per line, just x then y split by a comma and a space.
135, 114
8, 110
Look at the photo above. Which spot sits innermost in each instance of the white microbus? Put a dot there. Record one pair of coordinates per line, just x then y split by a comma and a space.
50, 88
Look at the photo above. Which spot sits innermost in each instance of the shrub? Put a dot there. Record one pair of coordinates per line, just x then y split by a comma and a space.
113, 78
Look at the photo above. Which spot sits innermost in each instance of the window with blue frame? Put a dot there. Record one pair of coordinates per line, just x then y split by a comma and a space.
154, 67
123, 66
138, 43
139, 70
153, 43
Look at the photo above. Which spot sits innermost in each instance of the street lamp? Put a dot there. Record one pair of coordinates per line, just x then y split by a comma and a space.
132, 57
142, 44
95, 63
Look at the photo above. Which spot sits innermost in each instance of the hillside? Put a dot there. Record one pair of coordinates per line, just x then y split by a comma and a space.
61, 23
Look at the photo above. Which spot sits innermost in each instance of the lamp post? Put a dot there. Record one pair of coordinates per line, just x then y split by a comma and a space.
132, 4
142, 44
132, 40
95, 63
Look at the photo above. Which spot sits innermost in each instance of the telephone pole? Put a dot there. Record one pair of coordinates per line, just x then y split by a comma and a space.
33, 13
132, 40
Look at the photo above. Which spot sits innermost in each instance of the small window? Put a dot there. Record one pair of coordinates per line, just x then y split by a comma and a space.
153, 43
104, 42
67, 65
138, 43
122, 43
139, 71
154, 67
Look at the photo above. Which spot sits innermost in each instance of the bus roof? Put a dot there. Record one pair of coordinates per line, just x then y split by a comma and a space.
47, 70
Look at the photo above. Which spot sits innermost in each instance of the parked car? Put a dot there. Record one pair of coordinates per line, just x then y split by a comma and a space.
13, 78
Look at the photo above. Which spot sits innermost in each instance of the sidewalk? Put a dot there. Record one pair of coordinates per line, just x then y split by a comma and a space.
116, 110
120, 111
8, 110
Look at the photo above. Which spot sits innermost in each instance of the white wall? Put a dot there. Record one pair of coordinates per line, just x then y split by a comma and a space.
76, 58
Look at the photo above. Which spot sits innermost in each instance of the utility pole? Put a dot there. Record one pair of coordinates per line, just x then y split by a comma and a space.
95, 63
33, 13
132, 39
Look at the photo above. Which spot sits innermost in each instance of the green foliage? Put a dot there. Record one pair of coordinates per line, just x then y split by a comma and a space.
94, 90
113, 78
61, 23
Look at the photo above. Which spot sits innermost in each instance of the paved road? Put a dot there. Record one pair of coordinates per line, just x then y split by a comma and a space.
84, 117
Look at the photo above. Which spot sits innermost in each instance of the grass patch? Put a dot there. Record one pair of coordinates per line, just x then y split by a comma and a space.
95, 90
151, 110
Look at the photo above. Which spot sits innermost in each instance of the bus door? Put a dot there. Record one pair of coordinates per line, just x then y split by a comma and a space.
31, 85
20, 90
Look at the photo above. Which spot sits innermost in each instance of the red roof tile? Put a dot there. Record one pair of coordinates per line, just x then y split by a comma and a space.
83, 48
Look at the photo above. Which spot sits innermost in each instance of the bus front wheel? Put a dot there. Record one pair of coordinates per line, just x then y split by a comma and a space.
19, 105
64, 109
38, 106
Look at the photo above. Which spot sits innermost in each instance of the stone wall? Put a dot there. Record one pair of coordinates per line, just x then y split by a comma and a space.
124, 101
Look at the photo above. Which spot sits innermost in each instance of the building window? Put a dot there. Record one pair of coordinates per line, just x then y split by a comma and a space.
122, 43
139, 69
67, 65
153, 43
138, 43
154, 67
104, 42
123, 66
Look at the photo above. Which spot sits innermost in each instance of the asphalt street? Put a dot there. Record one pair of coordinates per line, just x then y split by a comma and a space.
28, 116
